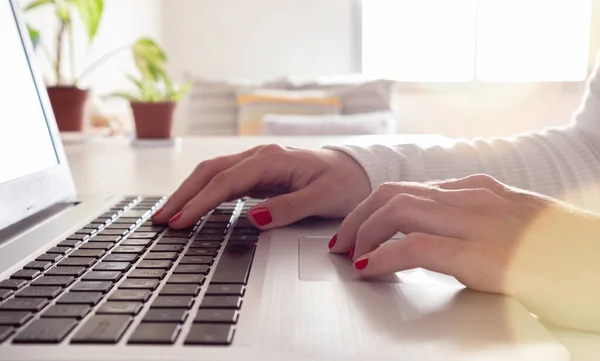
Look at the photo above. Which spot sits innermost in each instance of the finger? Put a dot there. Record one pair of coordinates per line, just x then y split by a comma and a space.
408, 214
230, 184
288, 208
195, 182
417, 250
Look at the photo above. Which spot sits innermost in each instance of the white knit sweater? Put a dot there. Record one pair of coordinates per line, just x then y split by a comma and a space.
562, 162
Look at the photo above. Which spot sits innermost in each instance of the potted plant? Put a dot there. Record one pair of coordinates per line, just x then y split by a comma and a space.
156, 95
67, 98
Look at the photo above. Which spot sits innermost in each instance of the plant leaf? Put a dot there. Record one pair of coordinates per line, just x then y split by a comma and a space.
90, 12
181, 91
62, 11
150, 59
37, 3
123, 95
34, 35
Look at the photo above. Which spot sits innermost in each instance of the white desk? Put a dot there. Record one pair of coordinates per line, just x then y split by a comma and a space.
107, 165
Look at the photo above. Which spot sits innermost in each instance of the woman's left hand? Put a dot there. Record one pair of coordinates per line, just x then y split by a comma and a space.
491, 237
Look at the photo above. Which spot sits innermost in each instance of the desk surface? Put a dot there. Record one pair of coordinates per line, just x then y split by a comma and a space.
112, 165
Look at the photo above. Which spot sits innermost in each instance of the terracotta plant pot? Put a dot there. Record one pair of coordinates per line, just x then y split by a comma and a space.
153, 120
69, 106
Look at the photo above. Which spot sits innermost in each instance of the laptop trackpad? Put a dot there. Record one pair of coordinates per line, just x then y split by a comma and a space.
317, 264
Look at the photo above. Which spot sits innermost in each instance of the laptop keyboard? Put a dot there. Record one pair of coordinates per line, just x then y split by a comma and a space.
122, 272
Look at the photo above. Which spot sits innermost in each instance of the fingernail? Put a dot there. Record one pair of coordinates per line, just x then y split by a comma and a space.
261, 215
361, 264
157, 212
351, 255
333, 240
175, 217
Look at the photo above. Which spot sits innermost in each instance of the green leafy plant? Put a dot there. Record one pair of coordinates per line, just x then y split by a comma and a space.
90, 13
153, 83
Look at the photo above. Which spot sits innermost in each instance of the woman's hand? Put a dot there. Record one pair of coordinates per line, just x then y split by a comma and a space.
491, 237
300, 183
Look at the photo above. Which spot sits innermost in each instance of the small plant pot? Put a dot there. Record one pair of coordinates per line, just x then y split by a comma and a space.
153, 120
69, 105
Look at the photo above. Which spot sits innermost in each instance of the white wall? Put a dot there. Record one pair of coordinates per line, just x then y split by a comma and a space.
123, 22
258, 39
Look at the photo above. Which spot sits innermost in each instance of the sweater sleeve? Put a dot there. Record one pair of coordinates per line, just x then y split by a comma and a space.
562, 162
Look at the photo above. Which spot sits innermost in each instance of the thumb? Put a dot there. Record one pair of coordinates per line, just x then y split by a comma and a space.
285, 209
415, 250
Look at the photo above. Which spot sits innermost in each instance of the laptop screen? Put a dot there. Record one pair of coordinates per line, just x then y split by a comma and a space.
26, 145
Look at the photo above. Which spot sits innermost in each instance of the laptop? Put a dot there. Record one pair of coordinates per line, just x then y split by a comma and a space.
91, 278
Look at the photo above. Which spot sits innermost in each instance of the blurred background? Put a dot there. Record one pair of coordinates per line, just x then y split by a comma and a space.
460, 68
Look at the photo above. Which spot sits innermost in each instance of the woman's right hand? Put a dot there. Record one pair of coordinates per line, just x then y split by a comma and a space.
298, 183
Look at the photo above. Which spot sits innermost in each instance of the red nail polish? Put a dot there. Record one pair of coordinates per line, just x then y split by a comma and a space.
175, 217
351, 255
261, 215
333, 240
361, 264
157, 212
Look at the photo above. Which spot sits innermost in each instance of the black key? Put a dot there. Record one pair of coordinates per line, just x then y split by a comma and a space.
26, 274
102, 276
79, 237
247, 231
136, 213
49, 257
5, 332
120, 308
126, 220
62, 281
112, 266
197, 260
130, 295
192, 268
221, 302
216, 231
102, 329
243, 238
218, 218
92, 286
155, 333
113, 232
14, 318
129, 249
119, 226
201, 252
243, 223
94, 225
234, 265
178, 234
195, 279
167, 248
106, 239
80, 298
38, 265
4, 294
180, 290
149, 229
216, 316
86, 231
173, 302
65, 271
12, 284
40, 292
136, 242
169, 256
144, 235
67, 311
77, 261
121, 257
92, 253
178, 315
24, 304
205, 244
182, 241
225, 290
139, 283
59, 250
226, 212
70, 243
147, 273
210, 334
97, 245
221, 226
154, 264
46, 330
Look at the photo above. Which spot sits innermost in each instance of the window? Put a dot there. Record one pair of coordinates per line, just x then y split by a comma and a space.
485, 40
